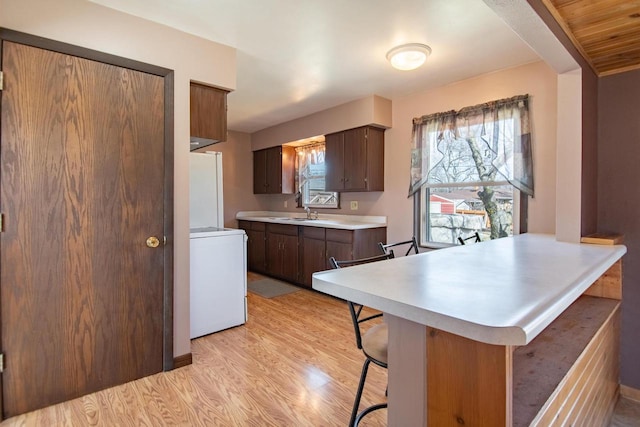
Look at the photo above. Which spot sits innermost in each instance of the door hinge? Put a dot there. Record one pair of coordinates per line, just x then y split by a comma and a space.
1, 363
1, 222
1, 79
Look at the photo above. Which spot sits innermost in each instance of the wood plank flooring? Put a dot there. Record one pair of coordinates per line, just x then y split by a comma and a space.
294, 363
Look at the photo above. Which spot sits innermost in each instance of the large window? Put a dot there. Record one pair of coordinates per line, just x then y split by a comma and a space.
469, 168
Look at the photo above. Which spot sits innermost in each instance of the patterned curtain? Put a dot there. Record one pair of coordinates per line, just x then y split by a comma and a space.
486, 142
307, 157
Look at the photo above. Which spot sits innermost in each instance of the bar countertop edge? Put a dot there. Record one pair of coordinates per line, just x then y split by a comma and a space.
464, 291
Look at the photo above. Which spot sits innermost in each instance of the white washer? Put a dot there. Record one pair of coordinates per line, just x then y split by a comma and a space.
218, 279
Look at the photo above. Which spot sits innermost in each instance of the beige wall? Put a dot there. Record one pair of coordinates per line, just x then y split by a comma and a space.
370, 110
87, 24
536, 79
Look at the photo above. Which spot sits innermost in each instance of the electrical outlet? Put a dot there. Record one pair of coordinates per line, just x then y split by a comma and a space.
286, 203
354, 205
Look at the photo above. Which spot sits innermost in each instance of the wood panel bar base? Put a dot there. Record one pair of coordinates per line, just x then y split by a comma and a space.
567, 374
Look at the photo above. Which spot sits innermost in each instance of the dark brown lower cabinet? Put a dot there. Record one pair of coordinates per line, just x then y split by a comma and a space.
353, 244
314, 253
295, 252
338, 243
256, 245
282, 251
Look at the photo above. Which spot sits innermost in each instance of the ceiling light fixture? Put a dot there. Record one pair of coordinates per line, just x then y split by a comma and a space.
408, 56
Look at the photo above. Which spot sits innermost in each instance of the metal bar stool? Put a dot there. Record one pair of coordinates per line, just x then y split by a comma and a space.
373, 343
475, 237
413, 246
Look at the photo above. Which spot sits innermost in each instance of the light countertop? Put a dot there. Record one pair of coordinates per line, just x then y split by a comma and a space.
503, 292
346, 222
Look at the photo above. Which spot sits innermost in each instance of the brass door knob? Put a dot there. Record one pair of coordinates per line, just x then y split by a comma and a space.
153, 242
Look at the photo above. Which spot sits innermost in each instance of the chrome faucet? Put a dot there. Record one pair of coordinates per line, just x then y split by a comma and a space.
308, 211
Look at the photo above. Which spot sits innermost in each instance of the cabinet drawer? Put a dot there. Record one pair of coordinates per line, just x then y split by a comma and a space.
290, 230
251, 225
313, 232
258, 226
342, 236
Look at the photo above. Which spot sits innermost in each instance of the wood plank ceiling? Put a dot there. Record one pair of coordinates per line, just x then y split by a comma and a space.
606, 32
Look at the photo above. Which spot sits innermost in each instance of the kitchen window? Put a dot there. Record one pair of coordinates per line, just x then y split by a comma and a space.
471, 172
310, 177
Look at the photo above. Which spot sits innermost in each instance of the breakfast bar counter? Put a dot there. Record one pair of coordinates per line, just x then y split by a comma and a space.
461, 316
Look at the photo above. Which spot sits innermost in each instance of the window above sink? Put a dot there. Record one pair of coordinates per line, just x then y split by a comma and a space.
310, 175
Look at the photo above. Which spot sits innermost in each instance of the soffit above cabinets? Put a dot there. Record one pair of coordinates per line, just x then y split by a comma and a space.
606, 32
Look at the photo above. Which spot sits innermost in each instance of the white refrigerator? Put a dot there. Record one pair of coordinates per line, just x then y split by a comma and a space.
218, 264
206, 207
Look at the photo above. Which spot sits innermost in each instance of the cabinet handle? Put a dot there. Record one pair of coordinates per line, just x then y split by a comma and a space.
346, 180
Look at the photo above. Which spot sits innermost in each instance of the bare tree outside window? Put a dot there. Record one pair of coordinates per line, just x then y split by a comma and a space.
467, 166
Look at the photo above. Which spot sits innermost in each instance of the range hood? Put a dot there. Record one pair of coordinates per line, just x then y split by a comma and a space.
197, 143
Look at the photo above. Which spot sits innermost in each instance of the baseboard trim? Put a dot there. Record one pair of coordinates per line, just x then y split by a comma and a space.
630, 392
184, 360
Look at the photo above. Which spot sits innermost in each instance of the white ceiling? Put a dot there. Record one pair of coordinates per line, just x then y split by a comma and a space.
297, 57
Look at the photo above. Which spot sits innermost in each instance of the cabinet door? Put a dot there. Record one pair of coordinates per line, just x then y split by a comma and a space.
340, 244
334, 161
314, 258
339, 250
282, 251
256, 250
208, 112
282, 256
375, 159
289, 258
273, 254
260, 172
255, 245
273, 170
355, 159
273, 164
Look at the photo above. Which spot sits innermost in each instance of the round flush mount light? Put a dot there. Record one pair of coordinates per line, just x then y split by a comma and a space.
408, 56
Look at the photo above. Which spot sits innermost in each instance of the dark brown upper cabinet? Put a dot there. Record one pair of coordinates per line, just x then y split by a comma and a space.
273, 170
208, 115
354, 160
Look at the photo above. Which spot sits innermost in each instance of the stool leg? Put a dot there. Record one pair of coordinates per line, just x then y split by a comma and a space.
369, 410
356, 403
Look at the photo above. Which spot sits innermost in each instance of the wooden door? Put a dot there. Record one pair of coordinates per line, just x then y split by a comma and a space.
82, 158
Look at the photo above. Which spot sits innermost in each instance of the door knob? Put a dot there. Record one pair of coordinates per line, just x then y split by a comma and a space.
153, 242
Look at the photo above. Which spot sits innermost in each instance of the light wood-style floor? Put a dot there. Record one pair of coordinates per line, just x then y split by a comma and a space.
294, 363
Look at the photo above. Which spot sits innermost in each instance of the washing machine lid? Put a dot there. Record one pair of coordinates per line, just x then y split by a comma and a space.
200, 232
